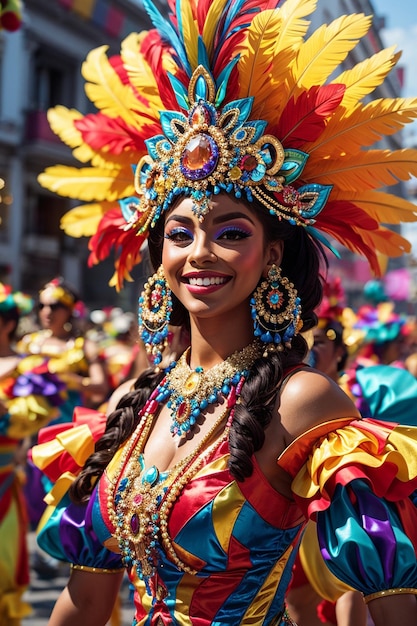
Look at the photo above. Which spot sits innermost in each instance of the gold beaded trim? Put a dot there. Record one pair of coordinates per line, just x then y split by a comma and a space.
96, 570
389, 592
179, 476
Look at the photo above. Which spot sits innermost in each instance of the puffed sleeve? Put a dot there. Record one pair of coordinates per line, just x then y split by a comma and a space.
68, 531
356, 479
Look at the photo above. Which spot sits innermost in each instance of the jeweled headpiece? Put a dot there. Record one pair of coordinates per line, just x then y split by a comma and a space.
230, 96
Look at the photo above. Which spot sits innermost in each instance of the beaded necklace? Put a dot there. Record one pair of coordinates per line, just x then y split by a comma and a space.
188, 392
140, 502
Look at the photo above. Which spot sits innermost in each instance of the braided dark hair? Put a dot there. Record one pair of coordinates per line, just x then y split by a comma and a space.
301, 264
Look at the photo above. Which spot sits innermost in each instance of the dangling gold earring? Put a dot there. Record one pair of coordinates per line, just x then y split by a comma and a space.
155, 307
276, 311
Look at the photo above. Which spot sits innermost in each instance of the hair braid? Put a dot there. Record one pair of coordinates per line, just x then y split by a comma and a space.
119, 426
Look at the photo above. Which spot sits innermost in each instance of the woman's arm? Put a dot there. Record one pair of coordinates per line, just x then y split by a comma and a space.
87, 599
393, 610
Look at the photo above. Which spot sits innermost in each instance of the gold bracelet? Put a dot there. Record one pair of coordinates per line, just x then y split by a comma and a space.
389, 592
96, 570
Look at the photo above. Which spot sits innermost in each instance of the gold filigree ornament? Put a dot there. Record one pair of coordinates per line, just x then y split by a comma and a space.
212, 150
140, 499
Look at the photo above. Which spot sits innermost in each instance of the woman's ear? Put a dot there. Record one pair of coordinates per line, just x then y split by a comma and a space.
274, 256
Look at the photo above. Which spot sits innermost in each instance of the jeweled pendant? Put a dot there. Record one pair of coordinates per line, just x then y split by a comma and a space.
200, 157
134, 524
183, 411
192, 383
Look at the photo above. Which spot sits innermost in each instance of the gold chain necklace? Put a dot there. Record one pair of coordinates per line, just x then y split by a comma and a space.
188, 392
139, 504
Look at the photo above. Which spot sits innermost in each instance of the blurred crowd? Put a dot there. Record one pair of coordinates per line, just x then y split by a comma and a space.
56, 356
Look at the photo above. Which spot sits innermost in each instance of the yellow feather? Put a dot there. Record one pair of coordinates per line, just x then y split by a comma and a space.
87, 184
190, 32
328, 47
294, 27
364, 77
61, 121
255, 60
346, 134
371, 169
381, 206
139, 71
288, 41
108, 93
83, 220
211, 24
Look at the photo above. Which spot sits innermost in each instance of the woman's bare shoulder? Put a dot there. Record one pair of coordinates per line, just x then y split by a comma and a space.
308, 398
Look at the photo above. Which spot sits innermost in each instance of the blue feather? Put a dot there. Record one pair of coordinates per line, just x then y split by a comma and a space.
180, 92
168, 34
316, 234
202, 53
223, 79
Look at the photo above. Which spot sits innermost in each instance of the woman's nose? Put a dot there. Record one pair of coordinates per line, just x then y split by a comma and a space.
202, 250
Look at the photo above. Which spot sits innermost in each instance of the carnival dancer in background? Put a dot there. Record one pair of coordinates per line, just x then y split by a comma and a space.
76, 361
30, 397
70, 354
249, 156
118, 345
384, 331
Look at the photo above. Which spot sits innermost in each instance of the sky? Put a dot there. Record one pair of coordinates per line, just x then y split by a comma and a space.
401, 29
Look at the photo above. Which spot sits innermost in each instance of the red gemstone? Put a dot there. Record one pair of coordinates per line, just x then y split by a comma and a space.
249, 163
156, 297
183, 412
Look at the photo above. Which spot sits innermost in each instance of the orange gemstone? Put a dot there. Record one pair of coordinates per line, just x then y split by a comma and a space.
197, 153
200, 116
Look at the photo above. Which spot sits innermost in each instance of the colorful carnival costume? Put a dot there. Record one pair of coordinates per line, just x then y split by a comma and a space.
32, 397
379, 391
229, 546
227, 97
70, 360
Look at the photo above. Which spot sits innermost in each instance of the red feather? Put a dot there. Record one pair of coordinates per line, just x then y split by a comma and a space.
344, 212
303, 120
153, 48
111, 235
113, 134
338, 218
117, 64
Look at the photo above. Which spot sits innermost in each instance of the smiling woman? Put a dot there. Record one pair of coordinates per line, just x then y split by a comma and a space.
208, 469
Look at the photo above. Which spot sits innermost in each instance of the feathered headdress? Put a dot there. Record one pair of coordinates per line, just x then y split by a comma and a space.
14, 300
333, 303
232, 96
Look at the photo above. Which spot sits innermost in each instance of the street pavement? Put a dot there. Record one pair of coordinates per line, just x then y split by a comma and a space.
42, 594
